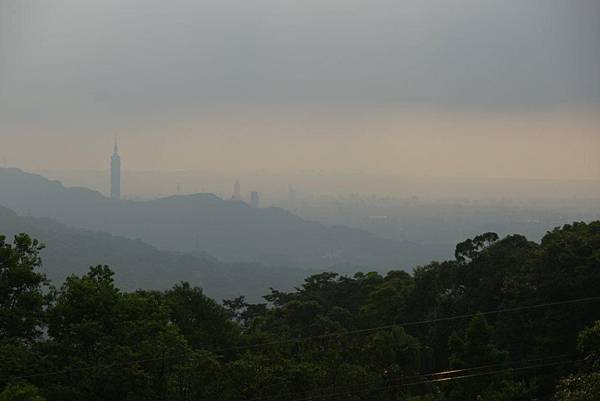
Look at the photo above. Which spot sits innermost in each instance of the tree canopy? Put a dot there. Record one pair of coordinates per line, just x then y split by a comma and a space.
507, 319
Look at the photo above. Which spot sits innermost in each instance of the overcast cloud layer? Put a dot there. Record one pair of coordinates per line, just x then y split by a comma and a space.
139, 56
92, 67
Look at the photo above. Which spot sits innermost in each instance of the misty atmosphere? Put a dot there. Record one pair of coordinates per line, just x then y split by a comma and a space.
300, 200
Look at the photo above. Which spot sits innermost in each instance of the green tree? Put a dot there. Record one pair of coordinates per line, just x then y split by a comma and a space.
202, 321
470, 249
21, 392
394, 353
21, 288
22, 303
585, 385
579, 387
121, 346
588, 344
475, 349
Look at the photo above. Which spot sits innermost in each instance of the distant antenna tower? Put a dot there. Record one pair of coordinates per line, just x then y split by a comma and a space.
115, 173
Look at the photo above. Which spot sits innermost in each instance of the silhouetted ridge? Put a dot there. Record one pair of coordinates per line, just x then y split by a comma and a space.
139, 265
230, 230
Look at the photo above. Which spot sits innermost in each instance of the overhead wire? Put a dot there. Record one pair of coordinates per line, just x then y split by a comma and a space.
300, 340
507, 366
421, 382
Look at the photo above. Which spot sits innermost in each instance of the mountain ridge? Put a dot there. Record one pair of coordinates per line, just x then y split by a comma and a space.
138, 265
232, 231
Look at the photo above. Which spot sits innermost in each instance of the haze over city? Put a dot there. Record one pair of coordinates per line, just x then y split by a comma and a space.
456, 88
299, 200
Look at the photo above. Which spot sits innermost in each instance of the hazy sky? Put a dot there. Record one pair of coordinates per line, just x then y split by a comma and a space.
488, 88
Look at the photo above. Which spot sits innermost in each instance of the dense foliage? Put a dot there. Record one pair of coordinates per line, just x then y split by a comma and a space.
507, 319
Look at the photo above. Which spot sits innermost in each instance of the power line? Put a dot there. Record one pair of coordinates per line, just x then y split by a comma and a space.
408, 324
411, 323
506, 366
424, 382
320, 337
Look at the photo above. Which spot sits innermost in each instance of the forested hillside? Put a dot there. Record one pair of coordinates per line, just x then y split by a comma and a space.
138, 265
231, 231
506, 319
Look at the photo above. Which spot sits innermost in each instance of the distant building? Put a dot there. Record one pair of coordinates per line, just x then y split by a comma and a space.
115, 174
237, 194
254, 200
292, 197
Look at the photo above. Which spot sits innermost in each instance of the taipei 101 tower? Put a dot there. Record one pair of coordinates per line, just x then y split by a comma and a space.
115, 174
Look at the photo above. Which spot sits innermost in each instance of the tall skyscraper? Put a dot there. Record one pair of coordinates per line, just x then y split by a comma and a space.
115, 174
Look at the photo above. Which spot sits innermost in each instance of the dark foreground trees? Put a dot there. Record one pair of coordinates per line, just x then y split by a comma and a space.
508, 319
